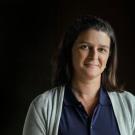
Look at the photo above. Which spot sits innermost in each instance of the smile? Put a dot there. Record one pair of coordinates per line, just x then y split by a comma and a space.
91, 65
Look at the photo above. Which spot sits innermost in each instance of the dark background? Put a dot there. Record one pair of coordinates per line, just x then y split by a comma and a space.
29, 34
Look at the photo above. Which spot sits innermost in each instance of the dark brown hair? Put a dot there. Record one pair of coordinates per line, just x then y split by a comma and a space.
63, 70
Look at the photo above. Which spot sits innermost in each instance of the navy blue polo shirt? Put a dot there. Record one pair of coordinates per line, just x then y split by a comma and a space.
75, 121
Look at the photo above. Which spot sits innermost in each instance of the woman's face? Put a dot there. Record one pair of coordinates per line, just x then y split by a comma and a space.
90, 53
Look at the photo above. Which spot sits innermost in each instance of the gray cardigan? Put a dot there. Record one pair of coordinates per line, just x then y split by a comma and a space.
44, 113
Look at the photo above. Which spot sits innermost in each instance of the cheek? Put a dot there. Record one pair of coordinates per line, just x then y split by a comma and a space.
77, 59
80, 58
104, 61
74, 58
75, 55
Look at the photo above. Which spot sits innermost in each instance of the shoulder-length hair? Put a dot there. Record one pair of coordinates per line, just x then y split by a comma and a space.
63, 69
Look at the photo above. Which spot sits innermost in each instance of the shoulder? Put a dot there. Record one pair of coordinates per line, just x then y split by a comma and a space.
128, 96
124, 106
125, 98
42, 111
125, 95
48, 96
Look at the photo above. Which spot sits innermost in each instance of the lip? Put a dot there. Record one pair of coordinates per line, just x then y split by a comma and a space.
91, 65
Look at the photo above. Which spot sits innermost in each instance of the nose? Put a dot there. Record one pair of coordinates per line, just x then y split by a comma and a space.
93, 53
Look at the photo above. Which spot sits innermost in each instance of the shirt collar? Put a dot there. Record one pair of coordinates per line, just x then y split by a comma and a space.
70, 99
104, 97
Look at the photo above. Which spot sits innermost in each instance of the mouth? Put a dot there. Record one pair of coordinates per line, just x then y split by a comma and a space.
91, 65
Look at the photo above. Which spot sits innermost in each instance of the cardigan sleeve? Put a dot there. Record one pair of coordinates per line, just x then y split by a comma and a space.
130, 99
134, 129
134, 118
44, 113
34, 122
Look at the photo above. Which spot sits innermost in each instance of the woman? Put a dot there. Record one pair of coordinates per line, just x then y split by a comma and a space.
86, 98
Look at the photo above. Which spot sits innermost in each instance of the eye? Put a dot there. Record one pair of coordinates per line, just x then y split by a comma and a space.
102, 50
84, 46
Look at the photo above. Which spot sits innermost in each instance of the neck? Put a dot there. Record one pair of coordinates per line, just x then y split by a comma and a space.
86, 89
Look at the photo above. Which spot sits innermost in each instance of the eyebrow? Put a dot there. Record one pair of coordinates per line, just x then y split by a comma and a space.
105, 46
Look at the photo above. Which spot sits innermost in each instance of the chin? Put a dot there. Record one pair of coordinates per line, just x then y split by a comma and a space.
92, 76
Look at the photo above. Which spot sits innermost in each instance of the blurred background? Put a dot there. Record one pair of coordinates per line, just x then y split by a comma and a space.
29, 34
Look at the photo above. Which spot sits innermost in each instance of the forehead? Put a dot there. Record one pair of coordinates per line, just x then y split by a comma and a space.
94, 37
